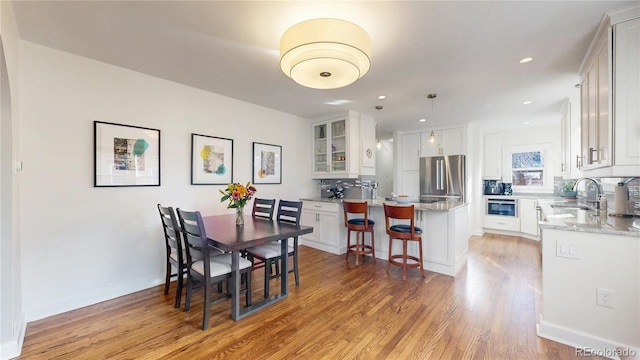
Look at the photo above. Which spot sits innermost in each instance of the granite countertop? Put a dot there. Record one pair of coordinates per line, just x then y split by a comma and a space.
574, 216
436, 206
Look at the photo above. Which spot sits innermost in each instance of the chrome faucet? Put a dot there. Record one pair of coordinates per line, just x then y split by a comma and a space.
598, 187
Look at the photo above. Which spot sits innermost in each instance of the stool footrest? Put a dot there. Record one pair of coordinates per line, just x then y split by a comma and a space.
416, 264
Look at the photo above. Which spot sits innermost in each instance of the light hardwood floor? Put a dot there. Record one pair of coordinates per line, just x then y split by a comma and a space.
339, 311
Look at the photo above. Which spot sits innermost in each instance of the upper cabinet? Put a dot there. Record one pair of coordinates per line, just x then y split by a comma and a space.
626, 82
492, 168
594, 96
444, 142
570, 141
343, 146
610, 82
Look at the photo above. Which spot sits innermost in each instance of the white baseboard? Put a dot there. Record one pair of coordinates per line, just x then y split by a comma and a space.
583, 341
13, 348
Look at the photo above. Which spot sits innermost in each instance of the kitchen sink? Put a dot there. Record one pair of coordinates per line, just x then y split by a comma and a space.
570, 206
588, 226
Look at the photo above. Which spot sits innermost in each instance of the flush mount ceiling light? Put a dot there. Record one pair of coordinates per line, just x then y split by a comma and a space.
325, 53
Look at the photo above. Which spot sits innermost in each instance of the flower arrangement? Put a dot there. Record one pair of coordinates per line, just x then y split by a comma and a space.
238, 195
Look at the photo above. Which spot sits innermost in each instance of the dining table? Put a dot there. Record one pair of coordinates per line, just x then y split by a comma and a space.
224, 234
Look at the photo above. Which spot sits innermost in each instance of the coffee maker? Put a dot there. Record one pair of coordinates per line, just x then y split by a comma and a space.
493, 187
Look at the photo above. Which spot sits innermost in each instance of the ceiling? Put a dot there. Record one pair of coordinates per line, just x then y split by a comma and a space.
467, 52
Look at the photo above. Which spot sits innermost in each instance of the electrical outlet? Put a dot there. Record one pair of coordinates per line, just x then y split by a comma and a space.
567, 250
604, 297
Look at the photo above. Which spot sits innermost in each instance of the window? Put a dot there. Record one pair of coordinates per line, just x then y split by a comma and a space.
528, 167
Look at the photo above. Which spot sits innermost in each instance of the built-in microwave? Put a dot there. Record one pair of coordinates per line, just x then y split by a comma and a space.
502, 207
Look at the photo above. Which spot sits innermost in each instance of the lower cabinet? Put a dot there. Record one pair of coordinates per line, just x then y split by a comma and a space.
505, 223
445, 239
528, 216
328, 229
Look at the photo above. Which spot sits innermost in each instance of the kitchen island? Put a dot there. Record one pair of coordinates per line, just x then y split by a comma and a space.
590, 278
445, 228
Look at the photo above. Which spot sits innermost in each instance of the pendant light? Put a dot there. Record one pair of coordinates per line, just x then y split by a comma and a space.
432, 136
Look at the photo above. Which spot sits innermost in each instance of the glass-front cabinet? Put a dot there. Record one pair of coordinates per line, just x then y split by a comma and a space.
331, 152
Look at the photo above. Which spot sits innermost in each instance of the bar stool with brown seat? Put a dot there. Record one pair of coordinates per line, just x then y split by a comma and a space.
361, 225
405, 233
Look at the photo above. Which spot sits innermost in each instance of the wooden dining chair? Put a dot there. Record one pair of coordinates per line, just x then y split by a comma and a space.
361, 224
263, 208
208, 264
405, 233
176, 257
288, 212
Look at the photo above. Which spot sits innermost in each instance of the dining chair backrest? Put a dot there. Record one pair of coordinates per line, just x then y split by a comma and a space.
195, 237
171, 229
263, 208
399, 213
289, 211
359, 208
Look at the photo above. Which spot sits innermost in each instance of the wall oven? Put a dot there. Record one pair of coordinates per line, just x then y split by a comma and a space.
502, 207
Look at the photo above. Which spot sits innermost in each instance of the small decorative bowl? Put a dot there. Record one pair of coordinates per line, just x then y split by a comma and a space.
403, 199
570, 194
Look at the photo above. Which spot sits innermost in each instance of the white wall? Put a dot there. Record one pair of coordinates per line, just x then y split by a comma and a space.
12, 325
82, 245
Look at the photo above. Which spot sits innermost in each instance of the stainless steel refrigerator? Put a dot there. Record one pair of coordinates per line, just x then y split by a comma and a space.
442, 178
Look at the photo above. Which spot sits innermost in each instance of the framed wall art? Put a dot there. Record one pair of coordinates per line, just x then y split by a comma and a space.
211, 160
267, 163
125, 155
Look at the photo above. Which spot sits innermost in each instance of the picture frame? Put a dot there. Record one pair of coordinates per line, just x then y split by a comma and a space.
211, 160
125, 155
267, 163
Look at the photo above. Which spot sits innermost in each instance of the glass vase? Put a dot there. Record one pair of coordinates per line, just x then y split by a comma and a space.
240, 216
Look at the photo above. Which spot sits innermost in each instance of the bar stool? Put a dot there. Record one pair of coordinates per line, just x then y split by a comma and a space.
405, 233
361, 225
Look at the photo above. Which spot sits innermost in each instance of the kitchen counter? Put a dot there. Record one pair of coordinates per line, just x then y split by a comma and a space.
561, 214
436, 206
445, 237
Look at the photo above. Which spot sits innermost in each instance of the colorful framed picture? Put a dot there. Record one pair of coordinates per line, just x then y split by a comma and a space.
267, 163
211, 160
125, 155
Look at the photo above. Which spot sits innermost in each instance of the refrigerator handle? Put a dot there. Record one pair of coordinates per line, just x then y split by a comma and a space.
442, 176
437, 174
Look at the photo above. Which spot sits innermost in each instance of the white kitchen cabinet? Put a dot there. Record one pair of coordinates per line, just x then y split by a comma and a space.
445, 239
410, 145
565, 139
528, 216
627, 93
409, 180
505, 223
446, 142
609, 95
596, 122
339, 146
492, 156
328, 228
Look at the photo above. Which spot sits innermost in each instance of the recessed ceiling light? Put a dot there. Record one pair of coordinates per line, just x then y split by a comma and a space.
525, 60
381, 97
527, 102
422, 120
527, 122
